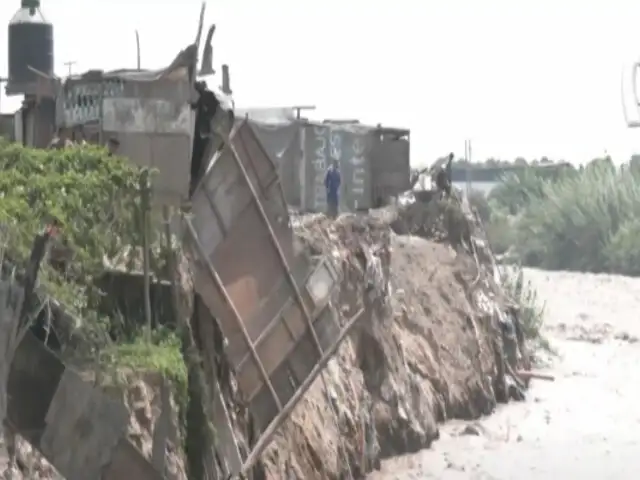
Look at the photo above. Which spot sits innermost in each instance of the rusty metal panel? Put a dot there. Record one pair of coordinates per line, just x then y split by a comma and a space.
282, 143
390, 166
271, 301
350, 145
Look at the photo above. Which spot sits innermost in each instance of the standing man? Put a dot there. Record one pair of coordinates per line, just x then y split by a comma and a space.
205, 107
443, 176
332, 185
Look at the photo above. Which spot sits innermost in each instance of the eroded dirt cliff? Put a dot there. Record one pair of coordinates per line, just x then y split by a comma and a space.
429, 346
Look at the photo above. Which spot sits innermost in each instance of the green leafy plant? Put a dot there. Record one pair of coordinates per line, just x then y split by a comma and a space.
95, 197
582, 220
97, 200
532, 310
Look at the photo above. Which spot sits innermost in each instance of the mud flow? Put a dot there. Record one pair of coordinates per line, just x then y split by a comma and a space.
583, 425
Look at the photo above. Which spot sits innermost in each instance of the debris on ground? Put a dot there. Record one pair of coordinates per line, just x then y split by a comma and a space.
438, 339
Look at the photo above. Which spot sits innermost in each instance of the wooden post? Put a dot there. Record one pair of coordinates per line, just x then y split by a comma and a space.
146, 233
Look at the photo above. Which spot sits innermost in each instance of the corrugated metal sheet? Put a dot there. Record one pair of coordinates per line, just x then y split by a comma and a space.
390, 166
282, 143
374, 161
271, 300
350, 145
238, 244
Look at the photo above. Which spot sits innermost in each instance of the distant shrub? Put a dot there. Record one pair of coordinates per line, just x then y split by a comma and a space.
584, 220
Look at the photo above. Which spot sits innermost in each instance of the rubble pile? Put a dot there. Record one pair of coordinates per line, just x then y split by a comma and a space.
430, 346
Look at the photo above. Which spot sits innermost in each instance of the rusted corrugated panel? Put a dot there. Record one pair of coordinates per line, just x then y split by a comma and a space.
390, 164
282, 143
350, 145
258, 308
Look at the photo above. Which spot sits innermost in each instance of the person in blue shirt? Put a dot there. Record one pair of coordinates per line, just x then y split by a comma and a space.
332, 184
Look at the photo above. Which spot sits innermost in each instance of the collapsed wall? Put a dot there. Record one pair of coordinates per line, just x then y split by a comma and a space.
429, 348
142, 393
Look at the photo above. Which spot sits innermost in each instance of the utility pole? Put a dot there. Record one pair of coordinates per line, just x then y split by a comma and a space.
467, 158
69, 65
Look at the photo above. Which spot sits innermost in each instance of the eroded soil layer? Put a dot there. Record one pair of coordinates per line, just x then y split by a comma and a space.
431, 352
583, 425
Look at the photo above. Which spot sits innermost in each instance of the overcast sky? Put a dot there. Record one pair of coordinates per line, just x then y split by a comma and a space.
518, 78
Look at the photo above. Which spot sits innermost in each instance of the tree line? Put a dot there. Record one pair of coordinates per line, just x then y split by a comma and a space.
585, 218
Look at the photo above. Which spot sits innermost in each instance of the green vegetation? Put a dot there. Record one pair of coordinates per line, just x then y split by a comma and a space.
585, 219
96, 199
531, 308
578, 219
161, 355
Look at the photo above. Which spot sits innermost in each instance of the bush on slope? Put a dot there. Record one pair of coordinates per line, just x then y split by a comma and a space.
587, 220
97, 200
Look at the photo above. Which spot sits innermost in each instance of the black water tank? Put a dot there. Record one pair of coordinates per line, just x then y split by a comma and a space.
30, 44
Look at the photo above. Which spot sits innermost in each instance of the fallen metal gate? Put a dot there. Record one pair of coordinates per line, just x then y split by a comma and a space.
272, 301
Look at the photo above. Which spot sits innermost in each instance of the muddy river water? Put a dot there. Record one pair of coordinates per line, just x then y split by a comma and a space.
586, 424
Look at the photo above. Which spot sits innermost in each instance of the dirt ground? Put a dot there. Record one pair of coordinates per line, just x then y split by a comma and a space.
583, 425
431, 356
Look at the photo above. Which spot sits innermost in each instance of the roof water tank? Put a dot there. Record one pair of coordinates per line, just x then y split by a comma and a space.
30, 44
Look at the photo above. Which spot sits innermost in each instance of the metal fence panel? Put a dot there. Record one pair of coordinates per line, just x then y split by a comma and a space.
282, 143
271, 301
390, 165
350, 145
261, 290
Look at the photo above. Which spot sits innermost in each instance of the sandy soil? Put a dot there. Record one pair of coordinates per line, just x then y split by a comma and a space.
425, 353
583, 425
